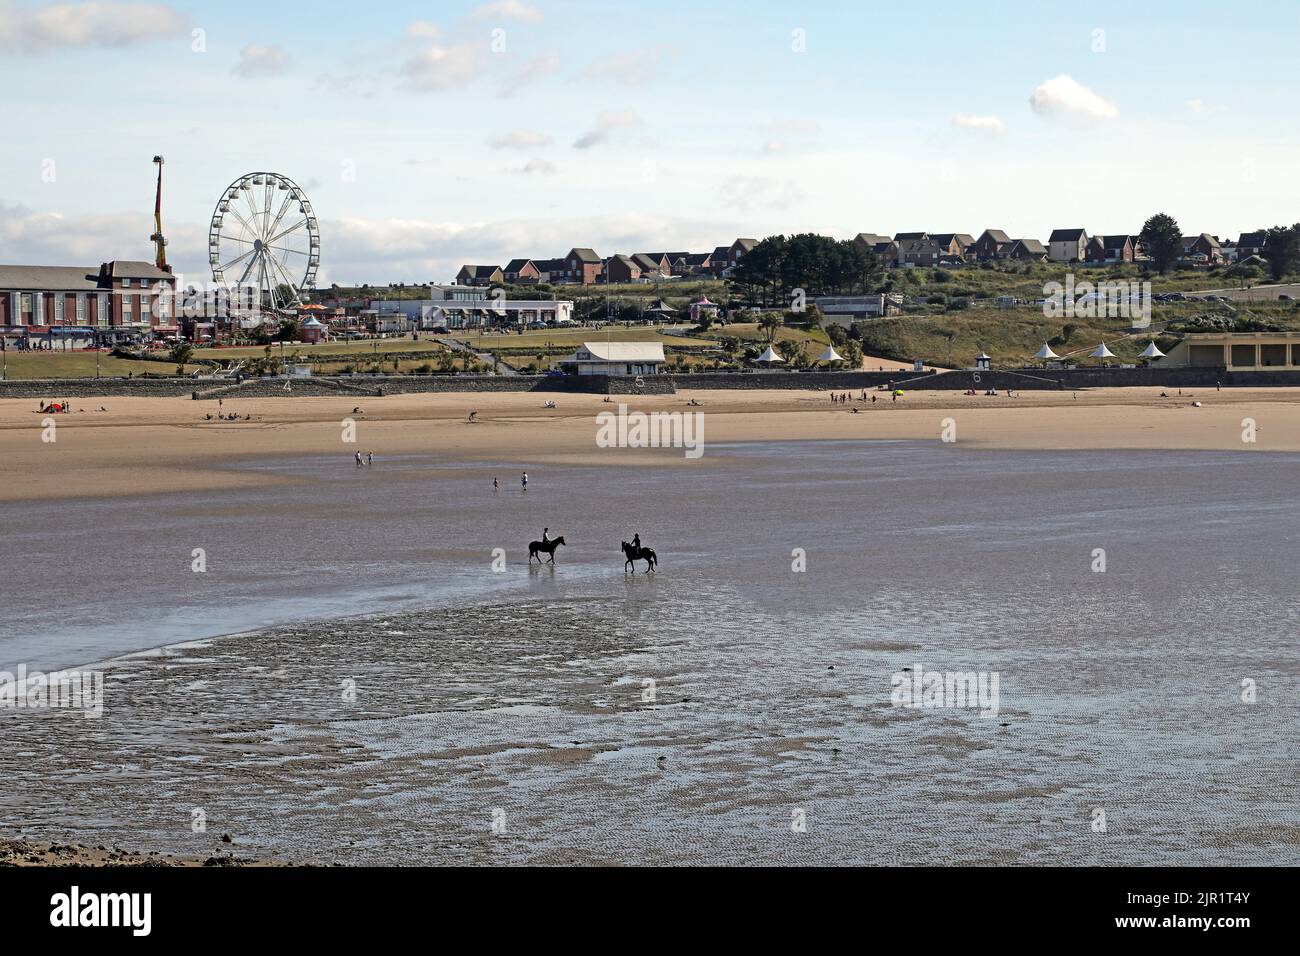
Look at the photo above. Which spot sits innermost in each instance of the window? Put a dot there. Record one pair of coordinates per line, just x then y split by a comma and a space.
126, 309
25, 309
81, 308
126, 283
59, 298
102, 308
144, 308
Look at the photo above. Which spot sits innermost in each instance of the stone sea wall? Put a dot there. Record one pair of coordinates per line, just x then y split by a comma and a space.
1024, 379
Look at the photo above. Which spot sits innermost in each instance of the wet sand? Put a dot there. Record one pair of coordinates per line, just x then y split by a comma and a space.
157, 445
24, 853
402, 737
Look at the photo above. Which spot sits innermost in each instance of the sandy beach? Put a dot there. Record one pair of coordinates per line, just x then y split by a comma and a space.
156, 445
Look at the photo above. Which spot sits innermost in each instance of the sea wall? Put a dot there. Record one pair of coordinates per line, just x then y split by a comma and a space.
367, 385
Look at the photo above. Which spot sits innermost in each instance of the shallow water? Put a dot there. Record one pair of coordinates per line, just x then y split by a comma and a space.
522, 692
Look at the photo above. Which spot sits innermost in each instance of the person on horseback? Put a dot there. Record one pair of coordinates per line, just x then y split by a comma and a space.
545, 538
636, 542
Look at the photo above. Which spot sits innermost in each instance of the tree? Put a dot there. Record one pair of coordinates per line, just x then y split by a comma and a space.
795, 353
1162, 237
181, 353
770, 325
1282, 250
1242, 273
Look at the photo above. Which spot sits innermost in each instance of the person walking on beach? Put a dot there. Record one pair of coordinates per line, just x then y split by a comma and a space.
370, 458
358, 459
524, 481
496, 485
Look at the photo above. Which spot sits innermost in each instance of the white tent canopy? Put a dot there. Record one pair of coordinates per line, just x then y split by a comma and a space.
1102, 352
1152, 352
830, 355
769, 355
1046, 352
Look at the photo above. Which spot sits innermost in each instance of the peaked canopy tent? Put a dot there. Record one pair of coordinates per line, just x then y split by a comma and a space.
1151, 352
830, 355
769, 355
1045, 353
1102, 352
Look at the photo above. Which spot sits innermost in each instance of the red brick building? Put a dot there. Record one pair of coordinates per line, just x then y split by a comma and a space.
121, 297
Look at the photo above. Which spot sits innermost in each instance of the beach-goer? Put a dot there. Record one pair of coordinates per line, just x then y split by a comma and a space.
358, 459
370, 458
524, 481
546, 536
636, 542
496, 484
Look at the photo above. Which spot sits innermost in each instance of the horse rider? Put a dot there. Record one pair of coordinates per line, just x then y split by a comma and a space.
545, 538
636, 543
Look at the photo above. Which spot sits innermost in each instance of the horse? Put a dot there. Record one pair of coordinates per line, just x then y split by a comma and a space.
634, 554
547, 546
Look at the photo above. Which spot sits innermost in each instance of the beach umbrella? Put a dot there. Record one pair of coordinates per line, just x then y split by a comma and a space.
769, 355
1102, 352
1046, 353
1152, 352
830, 355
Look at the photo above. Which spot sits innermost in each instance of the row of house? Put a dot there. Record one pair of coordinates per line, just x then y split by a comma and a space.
912, 249
582, 266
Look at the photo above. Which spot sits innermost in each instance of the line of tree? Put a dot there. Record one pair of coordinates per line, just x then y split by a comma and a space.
1282, 250
770, 273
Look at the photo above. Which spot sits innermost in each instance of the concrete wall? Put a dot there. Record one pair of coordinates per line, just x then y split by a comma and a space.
1028, 379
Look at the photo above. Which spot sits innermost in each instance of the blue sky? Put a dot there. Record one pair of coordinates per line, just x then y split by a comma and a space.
438, 133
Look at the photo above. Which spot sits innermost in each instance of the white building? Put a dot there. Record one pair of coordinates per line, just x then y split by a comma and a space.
466, 307
615, 358
1067, 245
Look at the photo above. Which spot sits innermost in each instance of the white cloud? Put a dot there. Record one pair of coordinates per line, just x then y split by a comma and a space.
423, 30
44, 238
70, 25
255, 61
537, 166
983, 124
520, 139
635, 68
509, 10
1064, 97
606, 123
746, 193
535, 69
439, 67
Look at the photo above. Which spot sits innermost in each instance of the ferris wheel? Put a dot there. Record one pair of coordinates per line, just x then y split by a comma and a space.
264, 235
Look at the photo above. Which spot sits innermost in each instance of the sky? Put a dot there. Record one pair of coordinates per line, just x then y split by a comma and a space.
434, 134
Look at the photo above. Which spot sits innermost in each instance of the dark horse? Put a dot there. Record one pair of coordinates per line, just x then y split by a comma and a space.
547, 546
634, 554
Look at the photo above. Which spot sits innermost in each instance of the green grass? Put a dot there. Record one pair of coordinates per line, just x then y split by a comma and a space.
357, 347
59, 365
1012, 336
569, 339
